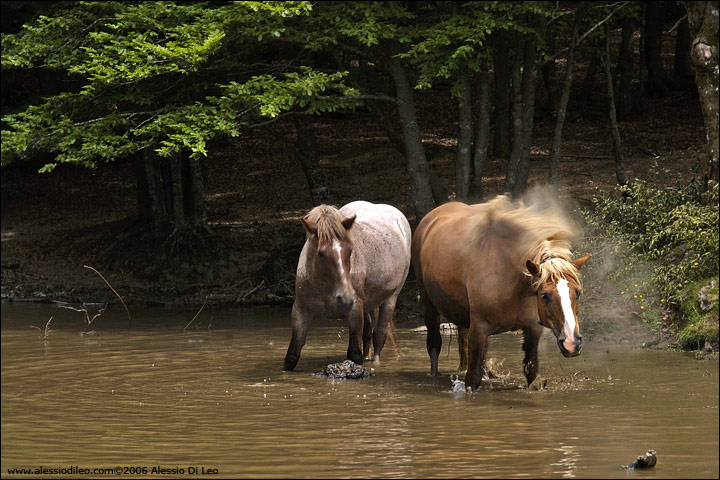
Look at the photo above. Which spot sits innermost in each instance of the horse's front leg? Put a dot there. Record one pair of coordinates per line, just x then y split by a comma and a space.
368, 333
300, 322
462, 334
356, 318
477, 342
533, 331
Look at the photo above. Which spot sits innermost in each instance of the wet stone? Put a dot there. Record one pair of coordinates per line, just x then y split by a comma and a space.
346, 369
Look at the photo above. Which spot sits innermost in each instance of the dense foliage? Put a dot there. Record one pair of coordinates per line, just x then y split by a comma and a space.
169, 76
677, 230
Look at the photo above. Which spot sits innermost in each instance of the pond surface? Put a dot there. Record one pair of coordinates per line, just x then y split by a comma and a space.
218, 399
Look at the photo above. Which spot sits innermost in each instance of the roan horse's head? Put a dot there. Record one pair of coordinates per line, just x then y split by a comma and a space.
329, 255
558, 291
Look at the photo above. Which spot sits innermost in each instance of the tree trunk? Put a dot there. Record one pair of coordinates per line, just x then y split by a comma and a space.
703, 21
144, 203
657, 81
465, 138
550, 78
383, 122
625, 70
517, 109
588, 86
683, 70
562, 105
177, 192
154, 185
620, 174
503, 120
482, 136
199, 220
529, 84
305, 153
415, 153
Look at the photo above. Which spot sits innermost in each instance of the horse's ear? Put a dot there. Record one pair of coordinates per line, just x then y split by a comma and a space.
348, 222
533, 268
579, 262
310, 227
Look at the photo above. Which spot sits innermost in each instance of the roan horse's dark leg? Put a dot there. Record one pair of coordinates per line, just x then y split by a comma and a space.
356, 318
300, 322
368, 334
478, 336
385, 315
532, 337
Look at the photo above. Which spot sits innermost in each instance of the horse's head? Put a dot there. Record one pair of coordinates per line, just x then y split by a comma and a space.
329, 255
558, 292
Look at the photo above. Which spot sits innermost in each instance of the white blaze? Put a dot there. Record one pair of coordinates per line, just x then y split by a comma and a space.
569, 327
341, 269
338, 250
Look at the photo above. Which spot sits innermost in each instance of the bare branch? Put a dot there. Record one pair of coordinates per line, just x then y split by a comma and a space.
586, 34
677, 24
115, 292
193, 319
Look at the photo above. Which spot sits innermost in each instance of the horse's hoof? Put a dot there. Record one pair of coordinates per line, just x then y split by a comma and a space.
538, 384
376, 359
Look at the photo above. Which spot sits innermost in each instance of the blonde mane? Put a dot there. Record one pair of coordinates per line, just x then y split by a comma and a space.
545, 235
329, 222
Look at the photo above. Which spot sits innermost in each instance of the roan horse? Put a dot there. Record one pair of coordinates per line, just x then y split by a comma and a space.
355, 260
496, 267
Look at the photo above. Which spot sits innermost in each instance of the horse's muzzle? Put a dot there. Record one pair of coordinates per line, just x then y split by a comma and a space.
345, 303
577, 344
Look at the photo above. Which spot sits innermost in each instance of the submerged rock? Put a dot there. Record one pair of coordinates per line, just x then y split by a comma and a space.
346, 369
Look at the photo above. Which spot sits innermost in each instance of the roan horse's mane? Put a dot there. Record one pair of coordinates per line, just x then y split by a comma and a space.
329, 222
545, 236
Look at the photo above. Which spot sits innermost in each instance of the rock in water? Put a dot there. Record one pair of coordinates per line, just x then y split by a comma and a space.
346, 369
647, 461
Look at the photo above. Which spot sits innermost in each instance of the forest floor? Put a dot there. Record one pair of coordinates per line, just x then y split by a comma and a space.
55, 224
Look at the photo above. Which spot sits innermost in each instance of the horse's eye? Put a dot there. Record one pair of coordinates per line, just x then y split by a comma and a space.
321, 254
546, 297
577, 294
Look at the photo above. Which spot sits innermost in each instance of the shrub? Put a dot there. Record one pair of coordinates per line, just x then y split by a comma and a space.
676, 229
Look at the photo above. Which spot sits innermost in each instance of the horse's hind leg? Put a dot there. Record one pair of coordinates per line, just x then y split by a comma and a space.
384, 316
368, 333
533, 331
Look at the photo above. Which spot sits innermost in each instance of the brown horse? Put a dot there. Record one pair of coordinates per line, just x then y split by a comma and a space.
496, 267
354, 263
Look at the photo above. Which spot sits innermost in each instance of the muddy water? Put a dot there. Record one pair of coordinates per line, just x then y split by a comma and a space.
218, 399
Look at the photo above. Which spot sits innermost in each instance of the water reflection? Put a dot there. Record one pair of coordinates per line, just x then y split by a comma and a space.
219, 399
567, 462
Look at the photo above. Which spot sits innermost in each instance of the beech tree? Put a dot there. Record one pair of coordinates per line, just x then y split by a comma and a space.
703, 21
157, 82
